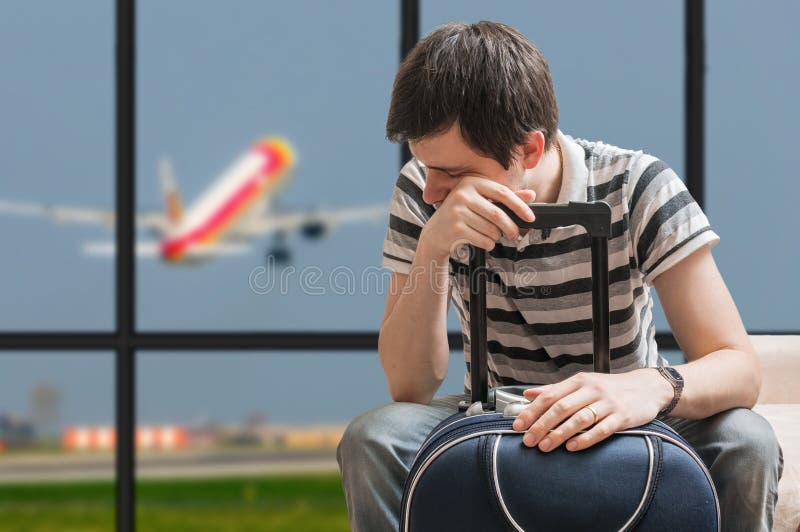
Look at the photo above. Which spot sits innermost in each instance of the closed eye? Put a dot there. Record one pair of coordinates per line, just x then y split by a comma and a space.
457, 174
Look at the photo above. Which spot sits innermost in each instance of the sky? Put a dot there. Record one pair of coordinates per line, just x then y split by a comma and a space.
213, 77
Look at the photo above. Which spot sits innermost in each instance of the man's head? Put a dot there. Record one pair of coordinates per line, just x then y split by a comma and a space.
486, 79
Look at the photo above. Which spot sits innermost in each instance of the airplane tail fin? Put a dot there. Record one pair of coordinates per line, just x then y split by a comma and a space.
172, 198
283, 149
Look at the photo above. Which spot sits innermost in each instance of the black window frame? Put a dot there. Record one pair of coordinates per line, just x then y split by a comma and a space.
125, 341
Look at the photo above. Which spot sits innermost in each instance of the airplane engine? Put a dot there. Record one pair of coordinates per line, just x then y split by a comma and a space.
314, 229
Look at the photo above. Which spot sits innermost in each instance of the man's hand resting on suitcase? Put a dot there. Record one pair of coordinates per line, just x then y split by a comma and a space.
558, 412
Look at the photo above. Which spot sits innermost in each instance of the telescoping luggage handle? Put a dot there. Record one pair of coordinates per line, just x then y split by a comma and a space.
595, 217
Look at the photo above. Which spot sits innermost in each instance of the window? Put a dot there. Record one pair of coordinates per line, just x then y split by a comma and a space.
214, 79
56, 169
57, 440
751, 179
201, 99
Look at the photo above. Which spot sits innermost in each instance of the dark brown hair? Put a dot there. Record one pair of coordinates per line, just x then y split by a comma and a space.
487, 76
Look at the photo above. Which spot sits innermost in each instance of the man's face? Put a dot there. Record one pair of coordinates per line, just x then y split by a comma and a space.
447, 159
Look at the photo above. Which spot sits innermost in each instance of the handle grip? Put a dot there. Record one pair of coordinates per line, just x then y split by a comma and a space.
595, 217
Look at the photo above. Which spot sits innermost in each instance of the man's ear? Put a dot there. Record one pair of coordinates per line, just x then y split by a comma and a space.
532, 149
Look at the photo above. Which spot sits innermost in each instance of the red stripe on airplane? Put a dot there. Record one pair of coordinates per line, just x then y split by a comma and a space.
174, 248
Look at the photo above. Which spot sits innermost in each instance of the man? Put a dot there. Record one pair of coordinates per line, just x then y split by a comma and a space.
476, 104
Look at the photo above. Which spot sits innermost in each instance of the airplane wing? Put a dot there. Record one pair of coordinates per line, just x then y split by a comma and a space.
79, 215
328, 219
152, 249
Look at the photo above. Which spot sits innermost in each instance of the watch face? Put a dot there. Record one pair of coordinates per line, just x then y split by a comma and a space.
674, 373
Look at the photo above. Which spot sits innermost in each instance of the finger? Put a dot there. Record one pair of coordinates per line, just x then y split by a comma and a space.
476, 238
580, 420
526, 195
497, 192
482, 225
545, 398
558, 412
495, 215
602, 430
532, 393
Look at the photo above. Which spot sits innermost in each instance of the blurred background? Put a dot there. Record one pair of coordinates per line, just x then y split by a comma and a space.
233, 440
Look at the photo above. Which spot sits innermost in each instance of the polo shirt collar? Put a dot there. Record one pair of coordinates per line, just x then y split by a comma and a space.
574, 174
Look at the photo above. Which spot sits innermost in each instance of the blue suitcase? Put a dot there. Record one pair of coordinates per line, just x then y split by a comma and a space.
473, 472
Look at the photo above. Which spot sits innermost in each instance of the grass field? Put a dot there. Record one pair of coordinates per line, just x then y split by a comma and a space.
297, 503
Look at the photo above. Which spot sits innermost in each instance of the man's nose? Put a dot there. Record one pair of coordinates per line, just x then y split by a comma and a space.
435, 190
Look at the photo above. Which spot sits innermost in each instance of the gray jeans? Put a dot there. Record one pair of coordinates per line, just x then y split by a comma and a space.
377, 450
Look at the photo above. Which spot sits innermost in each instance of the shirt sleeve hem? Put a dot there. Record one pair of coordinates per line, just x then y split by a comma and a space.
681, 251
396, 265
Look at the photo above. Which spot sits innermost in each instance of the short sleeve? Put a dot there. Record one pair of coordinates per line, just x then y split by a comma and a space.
667, 224
407, 215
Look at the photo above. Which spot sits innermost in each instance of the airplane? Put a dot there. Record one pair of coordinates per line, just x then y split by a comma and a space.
232, 211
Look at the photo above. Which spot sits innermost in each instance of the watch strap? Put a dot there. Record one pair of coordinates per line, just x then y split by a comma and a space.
677, 389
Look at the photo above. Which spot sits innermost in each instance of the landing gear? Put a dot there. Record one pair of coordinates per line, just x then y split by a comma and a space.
279, 252
279, 255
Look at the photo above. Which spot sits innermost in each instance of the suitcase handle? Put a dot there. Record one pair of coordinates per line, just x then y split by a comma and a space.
595, 217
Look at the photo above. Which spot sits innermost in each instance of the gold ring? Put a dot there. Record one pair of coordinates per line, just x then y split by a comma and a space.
594, 413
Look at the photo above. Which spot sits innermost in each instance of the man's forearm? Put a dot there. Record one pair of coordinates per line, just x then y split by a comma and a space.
718, 381
413, 344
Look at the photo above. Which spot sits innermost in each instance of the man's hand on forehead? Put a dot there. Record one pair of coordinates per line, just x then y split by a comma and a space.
469, 214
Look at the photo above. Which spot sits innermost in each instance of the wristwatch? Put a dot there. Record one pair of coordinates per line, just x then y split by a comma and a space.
676, 380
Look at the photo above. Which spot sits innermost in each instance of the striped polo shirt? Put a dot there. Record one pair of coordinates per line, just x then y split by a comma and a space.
539, 292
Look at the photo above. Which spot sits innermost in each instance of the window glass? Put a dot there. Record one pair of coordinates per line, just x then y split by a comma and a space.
57, 165
278, 234
57, 441
751, 181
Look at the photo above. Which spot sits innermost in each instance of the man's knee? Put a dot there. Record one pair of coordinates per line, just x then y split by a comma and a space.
748, 442
362, 430
376, 431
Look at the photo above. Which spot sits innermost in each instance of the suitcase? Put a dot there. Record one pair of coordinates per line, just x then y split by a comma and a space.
473, 473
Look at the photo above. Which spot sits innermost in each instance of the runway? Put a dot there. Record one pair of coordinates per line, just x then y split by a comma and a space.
186, 464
